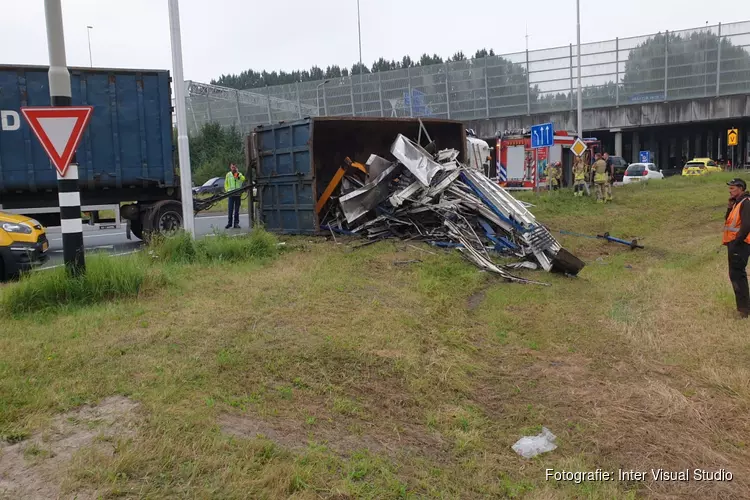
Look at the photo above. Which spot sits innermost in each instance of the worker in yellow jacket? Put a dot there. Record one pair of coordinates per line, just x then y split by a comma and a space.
579, 176
554, 173
601, 180
234, 180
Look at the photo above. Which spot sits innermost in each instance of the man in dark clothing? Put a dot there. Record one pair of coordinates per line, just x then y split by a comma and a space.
737, 240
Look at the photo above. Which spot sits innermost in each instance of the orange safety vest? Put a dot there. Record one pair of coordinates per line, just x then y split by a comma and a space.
732, 225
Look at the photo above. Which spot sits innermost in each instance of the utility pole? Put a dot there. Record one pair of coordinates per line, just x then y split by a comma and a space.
88, 32
580, 97
69, 195
183, 145
361, 68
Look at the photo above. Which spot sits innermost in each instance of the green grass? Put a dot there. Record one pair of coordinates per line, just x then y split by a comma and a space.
180, 248
106, 278
329, 372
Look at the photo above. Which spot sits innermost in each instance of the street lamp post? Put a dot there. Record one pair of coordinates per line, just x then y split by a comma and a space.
317, 96
580, 97
88, 32
361, 69
183, 145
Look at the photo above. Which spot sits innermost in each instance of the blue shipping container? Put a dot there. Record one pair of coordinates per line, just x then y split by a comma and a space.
126, 149
297, 160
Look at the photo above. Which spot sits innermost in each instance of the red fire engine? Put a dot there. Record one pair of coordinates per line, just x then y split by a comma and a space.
517, 162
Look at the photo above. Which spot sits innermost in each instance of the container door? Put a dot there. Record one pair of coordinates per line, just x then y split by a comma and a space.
285, 193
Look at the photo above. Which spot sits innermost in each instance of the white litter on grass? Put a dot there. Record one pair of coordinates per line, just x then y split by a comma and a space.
531, 446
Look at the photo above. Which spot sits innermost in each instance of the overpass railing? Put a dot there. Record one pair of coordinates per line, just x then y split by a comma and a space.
672, 65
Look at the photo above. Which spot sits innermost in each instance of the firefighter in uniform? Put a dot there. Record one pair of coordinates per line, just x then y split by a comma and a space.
737, 240
554, 176
579, 176
601, 180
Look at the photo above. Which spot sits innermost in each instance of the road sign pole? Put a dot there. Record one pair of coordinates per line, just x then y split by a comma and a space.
60, 95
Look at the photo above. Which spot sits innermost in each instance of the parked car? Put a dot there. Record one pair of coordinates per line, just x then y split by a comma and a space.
215, 185
708, 164
694, 168
637, 172
620, 165
23, 245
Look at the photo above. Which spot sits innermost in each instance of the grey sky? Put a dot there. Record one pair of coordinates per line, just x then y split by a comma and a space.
228, 36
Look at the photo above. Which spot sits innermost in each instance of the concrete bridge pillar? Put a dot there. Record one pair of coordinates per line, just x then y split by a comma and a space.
618, 143
636, 146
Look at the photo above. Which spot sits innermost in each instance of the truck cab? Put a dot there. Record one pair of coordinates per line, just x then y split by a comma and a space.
23, 245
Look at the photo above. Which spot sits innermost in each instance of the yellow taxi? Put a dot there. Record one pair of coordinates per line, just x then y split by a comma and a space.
700, 166
23, 245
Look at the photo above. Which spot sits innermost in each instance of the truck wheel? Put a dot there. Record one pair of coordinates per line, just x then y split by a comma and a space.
166, 217
136, 227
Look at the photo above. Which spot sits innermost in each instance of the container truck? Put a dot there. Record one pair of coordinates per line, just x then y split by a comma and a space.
125, 157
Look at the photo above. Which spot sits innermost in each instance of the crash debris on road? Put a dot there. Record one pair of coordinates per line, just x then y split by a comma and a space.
425, 194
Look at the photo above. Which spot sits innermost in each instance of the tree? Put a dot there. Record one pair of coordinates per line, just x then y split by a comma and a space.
384, 65
333, 72
483, 53
406, 62
359, 69
458, 56
213, 149
427, 60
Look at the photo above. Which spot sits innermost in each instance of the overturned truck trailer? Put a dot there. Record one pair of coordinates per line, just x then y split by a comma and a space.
384, 178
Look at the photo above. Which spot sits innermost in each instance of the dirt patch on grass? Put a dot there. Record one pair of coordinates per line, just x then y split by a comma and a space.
338, 436
476, 299
35, 468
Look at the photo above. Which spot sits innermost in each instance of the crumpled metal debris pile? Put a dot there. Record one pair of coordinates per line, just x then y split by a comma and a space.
432, 197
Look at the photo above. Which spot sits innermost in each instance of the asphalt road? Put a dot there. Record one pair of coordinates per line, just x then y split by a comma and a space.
114, 241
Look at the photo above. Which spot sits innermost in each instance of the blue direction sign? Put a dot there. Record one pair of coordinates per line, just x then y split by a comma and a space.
644, 156
542, 136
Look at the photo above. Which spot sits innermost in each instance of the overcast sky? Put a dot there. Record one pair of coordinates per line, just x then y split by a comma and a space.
228, 36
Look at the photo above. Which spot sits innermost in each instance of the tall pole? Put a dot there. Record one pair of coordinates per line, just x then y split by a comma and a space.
580, 97
183, 146
361, 68
60, 95
88, 32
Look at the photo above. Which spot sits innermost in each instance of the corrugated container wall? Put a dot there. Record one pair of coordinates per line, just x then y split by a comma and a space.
297, 160
127, 145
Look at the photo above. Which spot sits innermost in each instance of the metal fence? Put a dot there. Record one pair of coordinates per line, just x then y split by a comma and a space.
702, 62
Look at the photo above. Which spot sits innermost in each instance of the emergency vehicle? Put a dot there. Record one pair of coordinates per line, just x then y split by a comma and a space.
479, 153
517, 161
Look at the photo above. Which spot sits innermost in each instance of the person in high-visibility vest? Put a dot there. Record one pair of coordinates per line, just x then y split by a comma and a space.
554, 173
737, 240
601, 179
234, 180
579, 176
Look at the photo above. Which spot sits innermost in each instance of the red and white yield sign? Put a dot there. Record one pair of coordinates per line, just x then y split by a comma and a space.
59, 129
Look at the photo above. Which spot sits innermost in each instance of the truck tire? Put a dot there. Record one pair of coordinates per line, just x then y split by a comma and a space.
166, 217
136, 227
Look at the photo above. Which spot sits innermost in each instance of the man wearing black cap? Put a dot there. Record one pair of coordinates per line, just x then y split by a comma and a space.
737, 240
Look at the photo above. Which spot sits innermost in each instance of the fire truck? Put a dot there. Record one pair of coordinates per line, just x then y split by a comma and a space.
517, 162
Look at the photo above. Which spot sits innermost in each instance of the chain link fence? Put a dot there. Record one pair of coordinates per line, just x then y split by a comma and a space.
702, 62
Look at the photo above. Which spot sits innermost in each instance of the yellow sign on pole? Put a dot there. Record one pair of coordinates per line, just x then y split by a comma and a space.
732, 137
578, 147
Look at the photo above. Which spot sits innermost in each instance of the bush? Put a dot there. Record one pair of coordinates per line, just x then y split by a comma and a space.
180, 248
106, 278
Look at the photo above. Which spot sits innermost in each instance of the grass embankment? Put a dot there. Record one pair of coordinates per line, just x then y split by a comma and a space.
337, 373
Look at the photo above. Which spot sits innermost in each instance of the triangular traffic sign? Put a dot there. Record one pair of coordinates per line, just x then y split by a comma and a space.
59, 129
